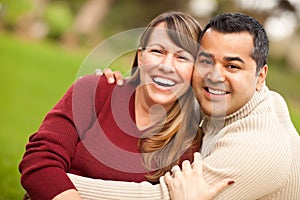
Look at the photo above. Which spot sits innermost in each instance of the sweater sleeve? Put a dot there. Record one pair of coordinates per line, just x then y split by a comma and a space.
114, 190
258, 161
49, 151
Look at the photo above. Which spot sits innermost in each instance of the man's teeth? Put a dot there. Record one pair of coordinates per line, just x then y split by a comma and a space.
216, 92
163, 82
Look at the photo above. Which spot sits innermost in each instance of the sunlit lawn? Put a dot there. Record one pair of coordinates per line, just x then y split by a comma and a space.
35, 75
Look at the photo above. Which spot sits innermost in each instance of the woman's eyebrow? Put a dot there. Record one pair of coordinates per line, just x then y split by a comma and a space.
156, 44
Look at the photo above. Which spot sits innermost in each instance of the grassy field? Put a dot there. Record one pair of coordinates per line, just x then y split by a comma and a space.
35, 75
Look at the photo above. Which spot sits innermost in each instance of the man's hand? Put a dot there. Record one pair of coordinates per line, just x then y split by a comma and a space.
111, 76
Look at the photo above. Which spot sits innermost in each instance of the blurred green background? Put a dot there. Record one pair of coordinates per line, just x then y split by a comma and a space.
43, 44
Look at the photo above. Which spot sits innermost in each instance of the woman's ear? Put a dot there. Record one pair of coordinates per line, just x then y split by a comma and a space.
261, 77
139, 56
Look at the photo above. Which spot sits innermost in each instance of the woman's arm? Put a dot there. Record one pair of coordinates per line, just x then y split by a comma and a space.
49, 151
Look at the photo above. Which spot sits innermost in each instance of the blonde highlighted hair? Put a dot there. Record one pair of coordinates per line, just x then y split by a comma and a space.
165, 142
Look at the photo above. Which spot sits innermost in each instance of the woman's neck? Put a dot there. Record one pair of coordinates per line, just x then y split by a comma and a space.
147, 113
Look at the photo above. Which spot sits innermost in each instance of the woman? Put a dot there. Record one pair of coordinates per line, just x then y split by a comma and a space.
92, 133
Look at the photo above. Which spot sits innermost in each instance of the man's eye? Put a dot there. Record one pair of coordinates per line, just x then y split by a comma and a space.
206, 62
233, 67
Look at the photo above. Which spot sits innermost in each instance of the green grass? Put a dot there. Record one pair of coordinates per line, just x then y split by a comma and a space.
35, 75
286, 82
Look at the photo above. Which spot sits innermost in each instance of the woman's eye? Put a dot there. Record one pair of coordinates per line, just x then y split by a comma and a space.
157, 51
183, 58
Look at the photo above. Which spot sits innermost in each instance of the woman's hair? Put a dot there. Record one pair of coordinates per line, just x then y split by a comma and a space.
165, 142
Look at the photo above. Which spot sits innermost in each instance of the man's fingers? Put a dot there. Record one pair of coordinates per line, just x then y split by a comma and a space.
119, 78
98, 72
218, 187
109, 75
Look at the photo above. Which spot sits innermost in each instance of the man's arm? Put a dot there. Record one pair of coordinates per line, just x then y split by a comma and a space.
104, 189
257, 161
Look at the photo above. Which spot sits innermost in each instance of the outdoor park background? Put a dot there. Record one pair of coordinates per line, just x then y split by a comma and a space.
43, 44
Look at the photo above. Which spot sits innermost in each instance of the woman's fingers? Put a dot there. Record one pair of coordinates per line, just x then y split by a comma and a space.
175, 169
186, 166
198, 163
189, 183
218, 187
168, 178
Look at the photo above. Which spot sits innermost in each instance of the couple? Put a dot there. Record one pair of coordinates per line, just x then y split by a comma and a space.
245, 132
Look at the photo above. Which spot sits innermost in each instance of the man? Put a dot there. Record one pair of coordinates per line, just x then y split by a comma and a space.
248, 132
249, 135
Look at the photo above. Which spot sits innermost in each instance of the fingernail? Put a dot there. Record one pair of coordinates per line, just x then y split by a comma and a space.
230, 182
111, 80
99, 72
120, 82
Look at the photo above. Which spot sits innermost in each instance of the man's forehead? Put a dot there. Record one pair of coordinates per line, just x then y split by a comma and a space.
214, 43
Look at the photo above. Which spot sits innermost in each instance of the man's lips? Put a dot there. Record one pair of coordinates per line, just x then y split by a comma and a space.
215, 91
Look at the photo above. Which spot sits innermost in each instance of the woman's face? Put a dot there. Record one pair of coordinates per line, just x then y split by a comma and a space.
165, 69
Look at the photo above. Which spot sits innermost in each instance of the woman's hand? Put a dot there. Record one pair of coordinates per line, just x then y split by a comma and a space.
189, 184
71, 194
111, 76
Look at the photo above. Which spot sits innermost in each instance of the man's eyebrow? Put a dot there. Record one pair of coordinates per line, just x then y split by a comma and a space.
205, 54
234, 59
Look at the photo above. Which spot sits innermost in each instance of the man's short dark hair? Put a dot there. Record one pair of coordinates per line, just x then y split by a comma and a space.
238, 22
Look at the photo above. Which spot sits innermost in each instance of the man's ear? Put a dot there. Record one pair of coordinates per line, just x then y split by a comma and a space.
261, 77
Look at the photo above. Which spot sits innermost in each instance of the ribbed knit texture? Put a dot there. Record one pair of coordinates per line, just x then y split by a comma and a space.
257, 146
91, 189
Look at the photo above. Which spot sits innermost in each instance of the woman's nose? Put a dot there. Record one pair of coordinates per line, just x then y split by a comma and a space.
167, 64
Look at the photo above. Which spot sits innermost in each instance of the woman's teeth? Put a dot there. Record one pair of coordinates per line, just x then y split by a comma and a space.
163, 82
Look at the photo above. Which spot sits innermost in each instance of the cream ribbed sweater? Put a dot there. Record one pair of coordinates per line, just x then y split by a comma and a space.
257, 146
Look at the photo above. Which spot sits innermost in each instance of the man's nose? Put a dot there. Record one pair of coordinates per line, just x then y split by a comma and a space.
216, 74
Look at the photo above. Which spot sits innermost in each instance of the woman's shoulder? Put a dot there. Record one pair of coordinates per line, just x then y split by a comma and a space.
93, 83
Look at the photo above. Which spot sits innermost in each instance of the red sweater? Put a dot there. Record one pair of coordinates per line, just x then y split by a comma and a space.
90, 132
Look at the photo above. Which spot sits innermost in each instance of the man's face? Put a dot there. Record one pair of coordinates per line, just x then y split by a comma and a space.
225, 76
